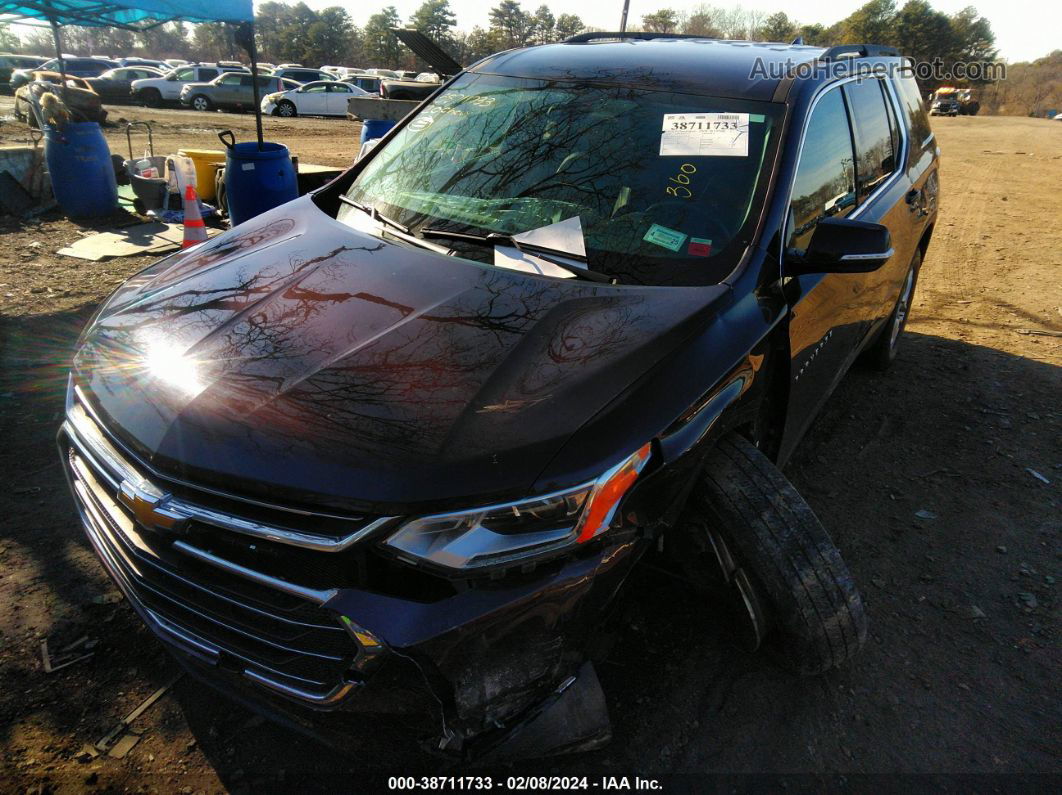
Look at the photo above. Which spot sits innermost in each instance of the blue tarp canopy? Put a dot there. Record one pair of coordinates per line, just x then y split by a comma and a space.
130, 14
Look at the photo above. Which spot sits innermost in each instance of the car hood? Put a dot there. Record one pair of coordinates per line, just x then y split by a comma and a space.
295, 355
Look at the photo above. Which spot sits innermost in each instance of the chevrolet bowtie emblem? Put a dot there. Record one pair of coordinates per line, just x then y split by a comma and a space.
149, 509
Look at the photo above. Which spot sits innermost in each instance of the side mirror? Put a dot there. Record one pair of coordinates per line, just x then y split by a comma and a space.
839, 245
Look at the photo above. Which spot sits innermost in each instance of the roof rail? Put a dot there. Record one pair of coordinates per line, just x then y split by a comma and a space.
643, 35
858, 51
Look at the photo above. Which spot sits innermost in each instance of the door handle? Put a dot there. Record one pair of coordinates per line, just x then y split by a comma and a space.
916, 202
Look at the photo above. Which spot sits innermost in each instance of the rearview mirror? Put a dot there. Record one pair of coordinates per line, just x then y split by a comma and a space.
840, 245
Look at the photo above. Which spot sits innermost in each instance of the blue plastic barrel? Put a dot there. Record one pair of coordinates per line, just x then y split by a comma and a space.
256, 181
81, 171
375, 128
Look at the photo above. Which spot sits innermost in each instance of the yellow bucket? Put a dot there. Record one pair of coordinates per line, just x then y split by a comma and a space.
206, 164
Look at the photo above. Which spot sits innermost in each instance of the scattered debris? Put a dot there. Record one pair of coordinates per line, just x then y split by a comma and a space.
132, 241
108, 598
124, 745
87, 753
1002, 550
1028, 599
64, 658
924, 514
1037, 475
117, 742
1039, 332
975, 612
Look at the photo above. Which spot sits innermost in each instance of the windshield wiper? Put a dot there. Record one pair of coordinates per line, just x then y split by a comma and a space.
374, 214
499, 239
399, 230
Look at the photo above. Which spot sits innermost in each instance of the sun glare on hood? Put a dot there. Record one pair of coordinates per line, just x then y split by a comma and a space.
167, 361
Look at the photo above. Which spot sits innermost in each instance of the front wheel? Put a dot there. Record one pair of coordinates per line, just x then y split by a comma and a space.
748, 527
151, 97
287, 110
882, 352
201, 103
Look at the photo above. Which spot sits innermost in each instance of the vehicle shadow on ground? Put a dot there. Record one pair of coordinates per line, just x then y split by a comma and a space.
680, 697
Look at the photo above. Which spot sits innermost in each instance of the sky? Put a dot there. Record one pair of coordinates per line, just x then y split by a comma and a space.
1025, 29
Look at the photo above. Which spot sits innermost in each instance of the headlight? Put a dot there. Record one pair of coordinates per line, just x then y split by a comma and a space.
272, 97
520, 531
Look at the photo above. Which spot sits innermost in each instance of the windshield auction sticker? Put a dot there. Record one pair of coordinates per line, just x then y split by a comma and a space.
705, 135
662, 236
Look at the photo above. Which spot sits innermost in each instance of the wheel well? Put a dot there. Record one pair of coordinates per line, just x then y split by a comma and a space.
923, 244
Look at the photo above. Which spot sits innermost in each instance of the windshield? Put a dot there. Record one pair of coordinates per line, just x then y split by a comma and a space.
665, 186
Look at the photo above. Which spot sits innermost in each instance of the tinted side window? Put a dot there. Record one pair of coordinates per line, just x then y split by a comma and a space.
873, 137
207, 75
917, 118
825, 179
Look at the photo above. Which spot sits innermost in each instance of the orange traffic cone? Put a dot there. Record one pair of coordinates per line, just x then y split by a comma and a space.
194, 228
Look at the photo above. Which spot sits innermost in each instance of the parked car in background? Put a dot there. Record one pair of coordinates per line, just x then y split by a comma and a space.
405, 74
75, 67
416, 90
388, 73
162, 66
175, 62
156, 91
370, 83
83, 103
232, 91
320, 98
9, 63
944, 106
115, 85
301, 74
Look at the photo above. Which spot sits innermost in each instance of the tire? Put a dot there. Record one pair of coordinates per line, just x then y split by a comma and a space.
286, 109
201, 103
812, 613
151, 97
882, 352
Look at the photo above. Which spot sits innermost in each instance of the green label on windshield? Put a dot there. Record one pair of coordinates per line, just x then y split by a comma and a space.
662, 236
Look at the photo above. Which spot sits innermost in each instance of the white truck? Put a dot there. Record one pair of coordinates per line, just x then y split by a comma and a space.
157, 91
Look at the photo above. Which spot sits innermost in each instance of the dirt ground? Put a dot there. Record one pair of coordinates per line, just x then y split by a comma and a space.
939, 481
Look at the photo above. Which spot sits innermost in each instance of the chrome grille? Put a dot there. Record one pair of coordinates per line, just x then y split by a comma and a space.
272, 631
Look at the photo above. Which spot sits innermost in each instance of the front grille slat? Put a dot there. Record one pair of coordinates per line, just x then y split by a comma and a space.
277, 639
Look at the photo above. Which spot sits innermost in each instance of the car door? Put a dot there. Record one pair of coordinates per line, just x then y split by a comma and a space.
170, 88
882, 188
228, 89
312, 99
827, 317
338, 94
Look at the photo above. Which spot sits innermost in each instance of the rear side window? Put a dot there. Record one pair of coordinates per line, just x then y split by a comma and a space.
915, 110
207, 74
825, 181
875, 157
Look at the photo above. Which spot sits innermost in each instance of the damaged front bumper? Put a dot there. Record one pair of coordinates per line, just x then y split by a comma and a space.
494, 669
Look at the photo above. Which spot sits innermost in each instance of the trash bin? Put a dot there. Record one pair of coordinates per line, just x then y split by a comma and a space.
258, 180
80, 167
206, 164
